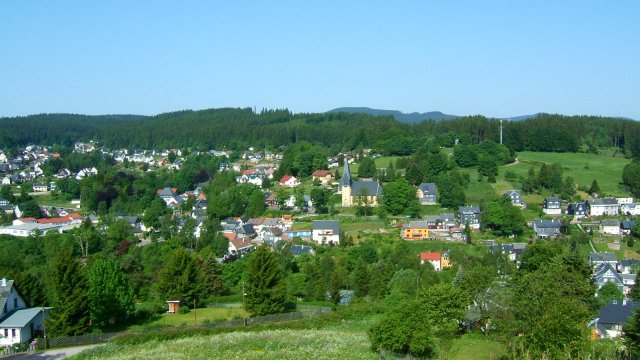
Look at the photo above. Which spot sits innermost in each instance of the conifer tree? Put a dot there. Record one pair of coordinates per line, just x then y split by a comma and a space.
212, 276
265, 286
68, 284
180, 278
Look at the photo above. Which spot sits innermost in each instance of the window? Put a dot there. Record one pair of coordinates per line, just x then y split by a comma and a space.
13, 332
6, 332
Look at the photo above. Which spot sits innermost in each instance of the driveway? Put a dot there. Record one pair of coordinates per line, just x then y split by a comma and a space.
50, 354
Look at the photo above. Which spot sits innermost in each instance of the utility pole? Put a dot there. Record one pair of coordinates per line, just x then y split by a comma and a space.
500, 131
195, 315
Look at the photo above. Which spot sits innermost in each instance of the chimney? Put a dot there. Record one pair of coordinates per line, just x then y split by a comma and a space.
4, 281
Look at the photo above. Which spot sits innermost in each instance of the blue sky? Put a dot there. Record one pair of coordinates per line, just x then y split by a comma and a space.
496, 58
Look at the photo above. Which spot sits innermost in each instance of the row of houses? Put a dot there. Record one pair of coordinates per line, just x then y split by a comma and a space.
444, 226
592, 207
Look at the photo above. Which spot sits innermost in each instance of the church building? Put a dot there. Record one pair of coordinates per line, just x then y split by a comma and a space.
364, 192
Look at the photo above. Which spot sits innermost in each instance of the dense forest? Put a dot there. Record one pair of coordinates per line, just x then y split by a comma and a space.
239, 128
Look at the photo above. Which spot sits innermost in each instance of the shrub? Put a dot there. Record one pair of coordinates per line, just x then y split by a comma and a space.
184, 310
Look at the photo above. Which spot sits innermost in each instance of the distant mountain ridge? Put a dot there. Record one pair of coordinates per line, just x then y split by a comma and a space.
414, 117
398, 115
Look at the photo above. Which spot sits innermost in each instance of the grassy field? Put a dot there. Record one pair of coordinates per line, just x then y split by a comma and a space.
583, 168
381, 163
200, 316
345, 339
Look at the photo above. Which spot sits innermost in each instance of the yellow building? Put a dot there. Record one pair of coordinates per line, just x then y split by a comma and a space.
415, 230
362, 193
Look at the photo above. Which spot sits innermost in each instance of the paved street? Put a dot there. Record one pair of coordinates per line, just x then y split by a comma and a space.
50, 354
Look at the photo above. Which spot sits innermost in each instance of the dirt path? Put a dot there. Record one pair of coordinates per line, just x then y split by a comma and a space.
50, 354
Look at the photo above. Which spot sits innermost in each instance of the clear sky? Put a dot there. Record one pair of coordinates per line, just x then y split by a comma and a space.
496, 58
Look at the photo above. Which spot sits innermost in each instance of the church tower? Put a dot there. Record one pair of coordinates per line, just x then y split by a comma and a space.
345, 183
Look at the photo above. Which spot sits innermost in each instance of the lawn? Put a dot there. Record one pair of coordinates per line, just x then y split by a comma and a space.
381, 163
193, 317
583, 168
345, 339
48, 200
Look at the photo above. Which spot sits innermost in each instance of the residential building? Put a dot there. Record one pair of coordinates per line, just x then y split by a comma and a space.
289, 181
552, 206
40, 187
547, 228
609, 227
325, 232
604, 273
578, 210
516, 197
596, 259
469, 215
612, 318
363, 192
630, 209
18, 324
427, 194
439, 260
602, 207
324, 176
415, 230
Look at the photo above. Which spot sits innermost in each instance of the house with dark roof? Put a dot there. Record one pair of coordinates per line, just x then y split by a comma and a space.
552, 206
297, 250
597, 258
578, 210
609, 227
469, 215
626, 226
416, 230
603, 207
18, 324
363, 192
629, 266
427, 194
516, 197
547, 228
325, 232
612, 318
630, 209
605, 273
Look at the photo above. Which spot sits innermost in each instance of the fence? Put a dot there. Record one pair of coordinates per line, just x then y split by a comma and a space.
306, 311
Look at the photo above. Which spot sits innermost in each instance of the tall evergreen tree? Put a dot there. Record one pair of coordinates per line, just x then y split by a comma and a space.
180, 278
68, 284
212, 276
265, 286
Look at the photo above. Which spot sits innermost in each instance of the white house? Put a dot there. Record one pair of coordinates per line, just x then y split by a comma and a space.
630, 209
610, 227
603, 207
289, 181
18, 324
325, 231
552, 206
6, 180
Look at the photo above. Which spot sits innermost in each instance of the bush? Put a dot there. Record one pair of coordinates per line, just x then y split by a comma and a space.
184, 310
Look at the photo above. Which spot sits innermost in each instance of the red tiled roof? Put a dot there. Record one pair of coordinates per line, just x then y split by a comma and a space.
429, 256
247, 172
285, 178
230, 236
241, 243
321, 173
28, 219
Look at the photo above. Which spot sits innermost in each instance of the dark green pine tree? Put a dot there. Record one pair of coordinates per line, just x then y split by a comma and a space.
265, 286
212, 276
361, 279
69, 287
180, 278
635, 290
595, 188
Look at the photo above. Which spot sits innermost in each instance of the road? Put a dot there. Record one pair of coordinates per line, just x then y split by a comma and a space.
50, 354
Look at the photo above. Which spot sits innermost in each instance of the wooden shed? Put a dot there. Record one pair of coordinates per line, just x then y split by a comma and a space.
173, 306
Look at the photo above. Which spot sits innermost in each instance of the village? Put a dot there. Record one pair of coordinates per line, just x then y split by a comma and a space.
299, 226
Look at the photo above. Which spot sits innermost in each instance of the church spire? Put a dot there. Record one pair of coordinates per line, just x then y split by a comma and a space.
346, 174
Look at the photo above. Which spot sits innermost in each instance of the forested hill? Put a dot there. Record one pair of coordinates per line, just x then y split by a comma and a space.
239, 128
400, 116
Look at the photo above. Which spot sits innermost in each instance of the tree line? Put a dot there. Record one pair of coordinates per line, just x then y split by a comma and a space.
240, 128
